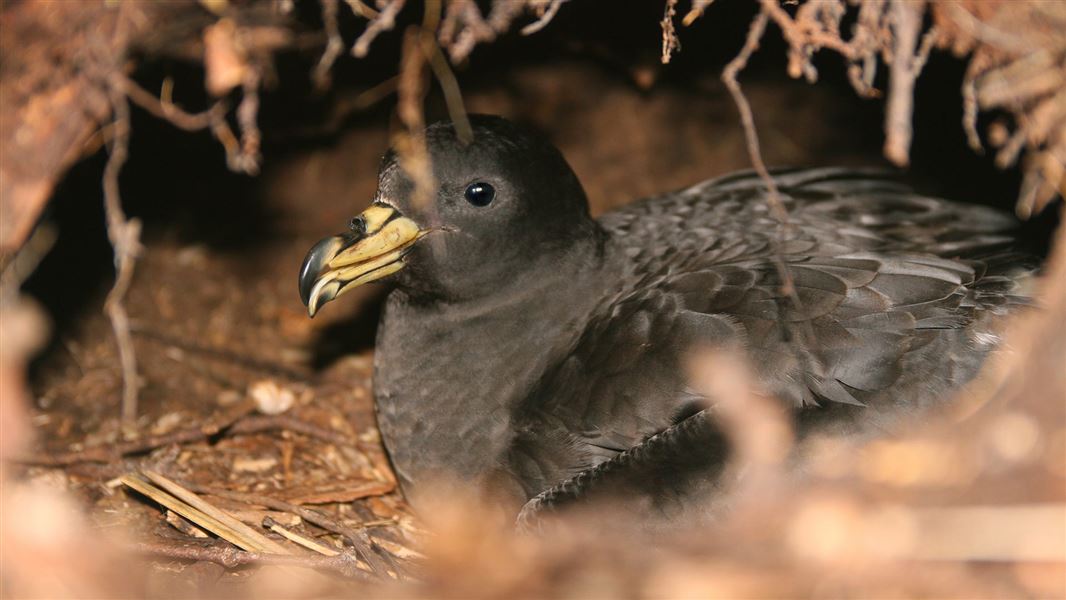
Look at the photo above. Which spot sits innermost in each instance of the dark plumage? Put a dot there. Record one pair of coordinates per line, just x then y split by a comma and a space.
526, 346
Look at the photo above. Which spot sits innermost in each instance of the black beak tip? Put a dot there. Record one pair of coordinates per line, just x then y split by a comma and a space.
317, 257
307, 280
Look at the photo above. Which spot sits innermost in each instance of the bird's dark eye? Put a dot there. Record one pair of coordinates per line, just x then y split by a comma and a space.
480, 193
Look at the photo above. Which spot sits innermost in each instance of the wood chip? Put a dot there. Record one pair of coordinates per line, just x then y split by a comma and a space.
254, 465
340, 491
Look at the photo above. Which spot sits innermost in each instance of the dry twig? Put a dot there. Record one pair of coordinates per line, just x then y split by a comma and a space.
1020, 73
385, 20
296, 538
125, 239
671, 43
165, 109
747, 119
773, 195
410, 143
368, 550
334, 43
249, 538
547, 14
464, 26
698, 6
247, 159
202, 513
907, 62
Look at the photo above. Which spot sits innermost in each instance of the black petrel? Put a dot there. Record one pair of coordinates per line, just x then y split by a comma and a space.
541, 355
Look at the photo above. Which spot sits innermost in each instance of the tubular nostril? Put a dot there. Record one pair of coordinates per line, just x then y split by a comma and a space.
358, 225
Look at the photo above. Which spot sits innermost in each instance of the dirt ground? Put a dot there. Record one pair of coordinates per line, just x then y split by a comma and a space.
217, 319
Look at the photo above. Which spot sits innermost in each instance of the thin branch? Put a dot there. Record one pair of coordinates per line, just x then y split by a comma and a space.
698, 6
125, 240
747, 119
410, 143
334, 43
969, 108
773, 198
992, 36
247, 159
544, 19
464, 26
164, 109
384, 21
242, 155
453, 96
671, 43
906, 19
361, 9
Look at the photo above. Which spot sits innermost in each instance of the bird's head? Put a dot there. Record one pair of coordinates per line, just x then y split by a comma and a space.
501, 205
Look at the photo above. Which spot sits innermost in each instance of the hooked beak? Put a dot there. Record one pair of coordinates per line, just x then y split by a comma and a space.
374, 248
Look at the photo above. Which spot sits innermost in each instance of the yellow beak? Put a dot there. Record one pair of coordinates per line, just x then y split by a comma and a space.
375, 248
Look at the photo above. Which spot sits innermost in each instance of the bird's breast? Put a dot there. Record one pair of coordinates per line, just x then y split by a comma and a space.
446, 391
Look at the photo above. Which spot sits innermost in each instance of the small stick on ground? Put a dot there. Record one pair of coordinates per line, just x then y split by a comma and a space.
296, 538
260, 542
367, 549
202, 519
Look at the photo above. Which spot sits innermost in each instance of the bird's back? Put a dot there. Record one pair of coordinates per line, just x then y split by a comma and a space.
871, 299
